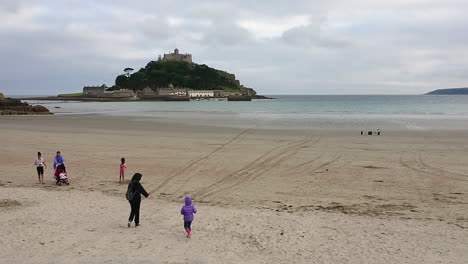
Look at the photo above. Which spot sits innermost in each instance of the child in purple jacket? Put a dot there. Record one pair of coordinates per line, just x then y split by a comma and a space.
188, 210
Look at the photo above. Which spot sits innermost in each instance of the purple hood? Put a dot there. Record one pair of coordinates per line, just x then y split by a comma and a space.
188, 209
188, 200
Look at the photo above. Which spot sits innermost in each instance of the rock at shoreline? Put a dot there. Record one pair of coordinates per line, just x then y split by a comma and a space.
261, 97
10, 106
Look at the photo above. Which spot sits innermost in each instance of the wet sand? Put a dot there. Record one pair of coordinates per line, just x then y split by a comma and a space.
265, 195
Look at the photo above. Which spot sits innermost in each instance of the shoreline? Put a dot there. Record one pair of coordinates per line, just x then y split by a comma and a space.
349, 123
77, 99
132, 99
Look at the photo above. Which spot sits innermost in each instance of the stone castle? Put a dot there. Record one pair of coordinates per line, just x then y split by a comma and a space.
176, 56
101, 91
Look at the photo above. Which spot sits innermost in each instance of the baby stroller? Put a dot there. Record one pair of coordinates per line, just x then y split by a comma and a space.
60, 175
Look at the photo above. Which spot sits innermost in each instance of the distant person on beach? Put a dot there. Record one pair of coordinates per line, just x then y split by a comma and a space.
133, 195
187, 211
58, 160
59, 165
123, 166
40, 164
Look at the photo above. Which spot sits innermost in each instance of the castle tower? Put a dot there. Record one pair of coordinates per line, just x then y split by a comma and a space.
176, 56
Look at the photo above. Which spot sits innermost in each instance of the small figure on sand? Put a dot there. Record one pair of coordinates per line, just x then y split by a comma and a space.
123, 166
40, 164
187, 211
133, 196
59, 166
58, 160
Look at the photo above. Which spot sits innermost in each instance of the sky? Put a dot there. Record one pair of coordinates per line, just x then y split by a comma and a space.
276, 47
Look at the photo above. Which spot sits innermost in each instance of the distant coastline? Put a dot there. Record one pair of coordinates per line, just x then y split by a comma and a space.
450, 91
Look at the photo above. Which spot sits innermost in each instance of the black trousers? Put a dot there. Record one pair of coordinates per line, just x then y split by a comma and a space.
40, 170
188, 225
135, 213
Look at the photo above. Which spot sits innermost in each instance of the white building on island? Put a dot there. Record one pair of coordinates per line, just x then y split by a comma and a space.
201, 93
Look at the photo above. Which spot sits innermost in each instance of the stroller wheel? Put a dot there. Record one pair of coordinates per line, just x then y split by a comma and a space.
68, 183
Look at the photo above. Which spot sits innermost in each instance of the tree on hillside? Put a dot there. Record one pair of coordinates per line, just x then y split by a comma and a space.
128, 71
122, 81
138, 81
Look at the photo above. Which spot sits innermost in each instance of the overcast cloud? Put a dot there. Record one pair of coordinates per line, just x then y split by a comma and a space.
276, 47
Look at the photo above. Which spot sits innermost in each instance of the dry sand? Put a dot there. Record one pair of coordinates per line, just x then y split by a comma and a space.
264, 195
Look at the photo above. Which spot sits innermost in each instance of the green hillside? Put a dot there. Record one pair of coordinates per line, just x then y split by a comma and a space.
180, 74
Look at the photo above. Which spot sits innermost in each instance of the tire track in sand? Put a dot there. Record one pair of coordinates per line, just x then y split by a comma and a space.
421, 167
421, 161
310, 168
305, 168
326, 163
196, 161
253, 176
251, 165
255, 168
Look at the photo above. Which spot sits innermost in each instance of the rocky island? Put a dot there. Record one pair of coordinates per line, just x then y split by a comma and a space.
172, 77
179, 71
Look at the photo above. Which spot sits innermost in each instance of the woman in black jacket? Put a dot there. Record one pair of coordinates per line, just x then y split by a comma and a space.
137, 190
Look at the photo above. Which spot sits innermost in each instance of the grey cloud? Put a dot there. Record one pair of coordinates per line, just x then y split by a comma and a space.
348, 47
10, 6
226, 34
313, 36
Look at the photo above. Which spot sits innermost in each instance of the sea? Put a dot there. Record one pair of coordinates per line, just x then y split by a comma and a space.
283, 105
398, 108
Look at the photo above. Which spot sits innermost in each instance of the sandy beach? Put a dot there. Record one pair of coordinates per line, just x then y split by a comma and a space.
318, 194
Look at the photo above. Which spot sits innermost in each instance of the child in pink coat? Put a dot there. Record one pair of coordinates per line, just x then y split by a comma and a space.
123, 166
